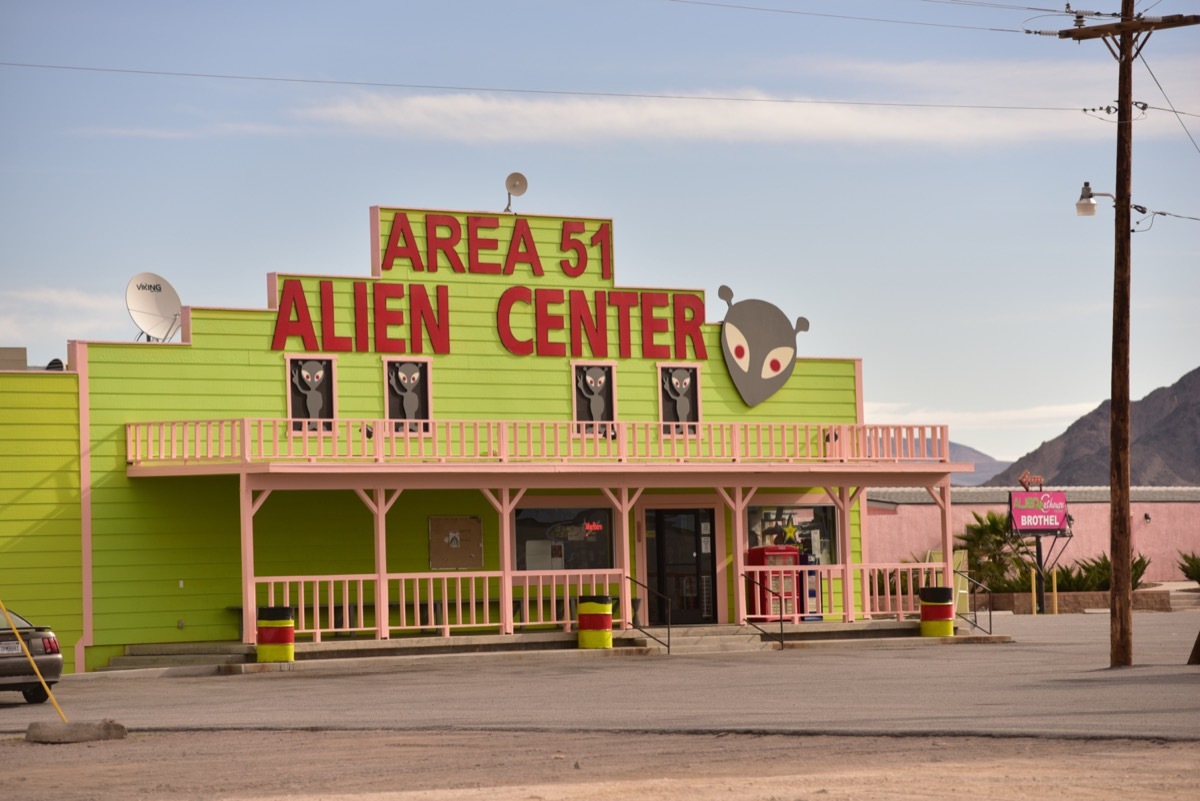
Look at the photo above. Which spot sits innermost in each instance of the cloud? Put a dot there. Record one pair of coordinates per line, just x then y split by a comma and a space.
862, 101
42, 320
754, 117
1025, 419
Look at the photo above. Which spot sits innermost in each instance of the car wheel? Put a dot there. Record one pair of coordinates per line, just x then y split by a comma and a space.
37, 695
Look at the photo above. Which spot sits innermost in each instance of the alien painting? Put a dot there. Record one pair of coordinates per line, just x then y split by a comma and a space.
679, 398
593, 396
310, 391
408, 397
759, 343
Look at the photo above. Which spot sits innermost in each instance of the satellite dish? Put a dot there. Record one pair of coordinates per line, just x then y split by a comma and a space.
154, 306
516, 185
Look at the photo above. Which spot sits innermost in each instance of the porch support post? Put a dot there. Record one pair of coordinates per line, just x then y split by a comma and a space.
738, 503
504, 506
379, 502
248, 504
941, 496
843, 498
623, 502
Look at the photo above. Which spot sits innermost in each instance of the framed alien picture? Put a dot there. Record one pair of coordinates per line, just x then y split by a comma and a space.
679, 398
595, 398
407, 382
310, 393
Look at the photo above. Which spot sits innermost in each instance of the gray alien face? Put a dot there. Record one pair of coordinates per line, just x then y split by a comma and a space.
759, 343
312, 373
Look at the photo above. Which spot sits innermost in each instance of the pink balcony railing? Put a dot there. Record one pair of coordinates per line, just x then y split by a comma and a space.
244, 440
893, 590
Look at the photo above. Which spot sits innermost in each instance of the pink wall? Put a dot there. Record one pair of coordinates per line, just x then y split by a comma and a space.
914, 528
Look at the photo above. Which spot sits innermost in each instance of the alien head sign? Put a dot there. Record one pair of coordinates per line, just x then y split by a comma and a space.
759, 342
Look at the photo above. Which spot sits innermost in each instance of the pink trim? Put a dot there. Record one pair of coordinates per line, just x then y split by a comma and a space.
858, 390
185, 325
376, 253
77, 358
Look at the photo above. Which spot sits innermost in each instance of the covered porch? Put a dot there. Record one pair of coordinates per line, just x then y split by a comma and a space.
508, 462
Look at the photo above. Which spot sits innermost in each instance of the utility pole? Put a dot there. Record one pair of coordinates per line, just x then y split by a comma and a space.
1124, 40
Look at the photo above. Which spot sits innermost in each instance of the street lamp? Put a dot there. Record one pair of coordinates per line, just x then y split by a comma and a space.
1086, 205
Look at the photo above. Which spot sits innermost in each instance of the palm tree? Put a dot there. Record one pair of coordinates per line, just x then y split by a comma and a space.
992, 551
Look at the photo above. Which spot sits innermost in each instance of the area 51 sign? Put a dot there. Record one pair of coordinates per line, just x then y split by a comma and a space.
1038, 511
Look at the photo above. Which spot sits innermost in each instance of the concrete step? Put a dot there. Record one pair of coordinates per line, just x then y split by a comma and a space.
184, 648
1185, 600
719, 645
174, 660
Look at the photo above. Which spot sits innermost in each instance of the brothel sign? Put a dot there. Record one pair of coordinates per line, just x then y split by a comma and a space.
1038, 511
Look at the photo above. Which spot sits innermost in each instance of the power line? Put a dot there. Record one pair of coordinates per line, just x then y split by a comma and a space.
1182, 124
1005, 6
763, 9
527, 91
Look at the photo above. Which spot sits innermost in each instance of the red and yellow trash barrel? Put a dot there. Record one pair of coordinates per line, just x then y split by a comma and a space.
937, 611
595, 621
276, 634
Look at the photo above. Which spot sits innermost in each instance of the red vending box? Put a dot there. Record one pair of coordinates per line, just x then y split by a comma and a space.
784, 581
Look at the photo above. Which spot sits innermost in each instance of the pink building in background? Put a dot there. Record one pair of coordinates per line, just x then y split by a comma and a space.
905, 524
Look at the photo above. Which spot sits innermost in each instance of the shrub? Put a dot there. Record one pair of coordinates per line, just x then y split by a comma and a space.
1087, 575
1100, 570
1189, 565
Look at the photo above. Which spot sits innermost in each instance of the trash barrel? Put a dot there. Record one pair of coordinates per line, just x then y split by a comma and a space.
595, 621
276, 634
937, 611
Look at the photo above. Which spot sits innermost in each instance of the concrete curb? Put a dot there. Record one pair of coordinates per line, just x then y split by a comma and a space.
60, 733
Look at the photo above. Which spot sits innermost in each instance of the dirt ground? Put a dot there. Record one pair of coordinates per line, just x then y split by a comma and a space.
555, 766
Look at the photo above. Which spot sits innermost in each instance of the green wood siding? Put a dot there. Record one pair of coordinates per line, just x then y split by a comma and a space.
40, 529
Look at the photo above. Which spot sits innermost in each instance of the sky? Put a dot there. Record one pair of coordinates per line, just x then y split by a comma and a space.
902, 173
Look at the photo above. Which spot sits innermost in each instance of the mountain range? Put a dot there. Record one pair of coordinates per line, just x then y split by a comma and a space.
1164, 446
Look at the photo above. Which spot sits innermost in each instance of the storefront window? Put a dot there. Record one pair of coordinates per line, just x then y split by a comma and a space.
564, 539
811, 528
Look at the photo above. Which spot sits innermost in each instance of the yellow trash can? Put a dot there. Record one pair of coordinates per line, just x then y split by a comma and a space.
937, 611
276, 634
595, 621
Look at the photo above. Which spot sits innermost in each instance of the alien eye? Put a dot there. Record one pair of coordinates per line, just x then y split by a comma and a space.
777, 361
591, 382
307, 375
320, 374
600, 381
403, 378
687, 382
737, 346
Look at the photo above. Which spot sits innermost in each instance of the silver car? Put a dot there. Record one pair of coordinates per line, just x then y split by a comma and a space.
16, 673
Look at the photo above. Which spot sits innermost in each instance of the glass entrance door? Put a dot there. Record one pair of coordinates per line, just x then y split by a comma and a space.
681, 564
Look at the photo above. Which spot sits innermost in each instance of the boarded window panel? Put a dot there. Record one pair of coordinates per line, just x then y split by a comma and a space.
455, 543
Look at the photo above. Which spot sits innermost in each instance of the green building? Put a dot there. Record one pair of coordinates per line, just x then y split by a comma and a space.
481, 431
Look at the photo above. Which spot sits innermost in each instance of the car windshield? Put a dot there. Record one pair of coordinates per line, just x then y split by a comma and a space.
17, 620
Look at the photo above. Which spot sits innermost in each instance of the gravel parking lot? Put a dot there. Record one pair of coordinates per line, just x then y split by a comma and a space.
1041, 717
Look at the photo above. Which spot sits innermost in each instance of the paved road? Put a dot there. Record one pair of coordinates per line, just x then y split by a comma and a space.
1053, 680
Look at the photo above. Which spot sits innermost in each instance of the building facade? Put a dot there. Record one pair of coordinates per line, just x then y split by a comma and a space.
481, 431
